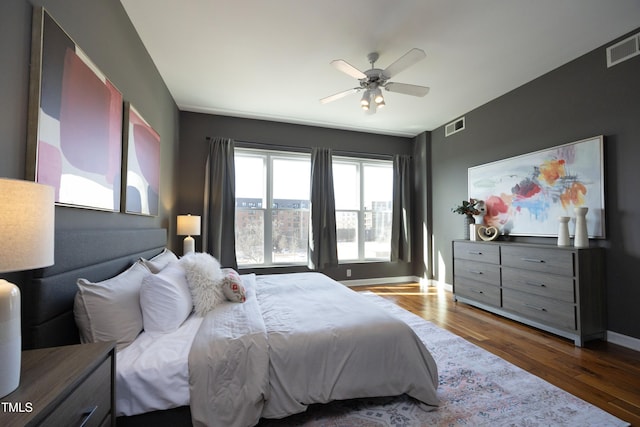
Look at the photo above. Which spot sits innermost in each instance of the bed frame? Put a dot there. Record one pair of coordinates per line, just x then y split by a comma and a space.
48, 294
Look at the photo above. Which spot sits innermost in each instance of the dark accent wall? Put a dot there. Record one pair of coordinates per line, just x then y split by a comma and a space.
104, 32
581, 99
195, 127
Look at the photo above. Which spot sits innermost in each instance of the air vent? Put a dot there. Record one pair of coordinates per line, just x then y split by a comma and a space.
623, 50
454, 126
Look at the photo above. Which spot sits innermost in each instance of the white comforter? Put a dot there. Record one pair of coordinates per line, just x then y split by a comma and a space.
301, 339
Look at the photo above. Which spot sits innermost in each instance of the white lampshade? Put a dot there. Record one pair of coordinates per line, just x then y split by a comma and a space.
188, 225
27, 218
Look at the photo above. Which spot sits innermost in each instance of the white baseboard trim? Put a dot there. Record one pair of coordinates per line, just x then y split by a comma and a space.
380, 281
623, 340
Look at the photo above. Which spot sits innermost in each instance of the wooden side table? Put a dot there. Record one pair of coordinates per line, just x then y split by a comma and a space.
64, 386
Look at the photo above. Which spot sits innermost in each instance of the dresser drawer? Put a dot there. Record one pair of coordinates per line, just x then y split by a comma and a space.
478, 291
91, 401
545, 285
477, 252
487, 273
550, 312
543, 260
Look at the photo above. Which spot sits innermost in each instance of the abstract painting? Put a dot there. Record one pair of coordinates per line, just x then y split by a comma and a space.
75, 121
142, 164
525, 195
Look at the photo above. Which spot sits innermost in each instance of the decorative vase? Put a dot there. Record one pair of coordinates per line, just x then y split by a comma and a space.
581, 238
563, 231
468, 220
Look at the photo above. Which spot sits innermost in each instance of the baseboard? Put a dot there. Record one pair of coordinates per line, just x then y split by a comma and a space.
380, 281
623, 340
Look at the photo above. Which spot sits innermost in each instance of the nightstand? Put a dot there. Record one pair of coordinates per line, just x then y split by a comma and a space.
64, 386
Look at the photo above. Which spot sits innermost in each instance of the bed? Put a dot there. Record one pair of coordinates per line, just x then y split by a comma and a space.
298, 339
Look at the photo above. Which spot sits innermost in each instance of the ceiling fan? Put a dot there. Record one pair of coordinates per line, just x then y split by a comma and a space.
372, 81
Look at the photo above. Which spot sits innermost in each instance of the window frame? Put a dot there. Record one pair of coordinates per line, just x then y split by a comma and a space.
361, 163
269, 206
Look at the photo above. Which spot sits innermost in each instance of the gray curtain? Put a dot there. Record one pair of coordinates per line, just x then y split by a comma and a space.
323, 249
218, 234
402, 209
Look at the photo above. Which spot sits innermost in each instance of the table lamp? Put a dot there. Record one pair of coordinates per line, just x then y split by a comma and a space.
188, 225
27, 217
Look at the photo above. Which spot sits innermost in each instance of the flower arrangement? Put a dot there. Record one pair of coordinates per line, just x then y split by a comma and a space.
467, 207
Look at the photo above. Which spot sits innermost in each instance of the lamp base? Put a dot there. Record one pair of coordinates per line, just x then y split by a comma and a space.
10, 337
189, 245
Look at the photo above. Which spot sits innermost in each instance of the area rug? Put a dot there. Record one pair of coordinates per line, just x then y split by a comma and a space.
476, 388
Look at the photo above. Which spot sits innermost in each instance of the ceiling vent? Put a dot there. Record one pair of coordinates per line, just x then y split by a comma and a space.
623, 50
454, 126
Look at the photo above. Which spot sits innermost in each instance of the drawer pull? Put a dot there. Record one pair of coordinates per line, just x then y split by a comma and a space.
87, 415
475, 253
532, 260
477, 292
535, 307
475, 272
537, 284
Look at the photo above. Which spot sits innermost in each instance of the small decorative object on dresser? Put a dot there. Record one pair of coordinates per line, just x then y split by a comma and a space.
468, 209
563, 231
581, 238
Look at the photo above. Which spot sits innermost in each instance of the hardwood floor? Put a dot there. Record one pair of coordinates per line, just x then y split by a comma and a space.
604, 374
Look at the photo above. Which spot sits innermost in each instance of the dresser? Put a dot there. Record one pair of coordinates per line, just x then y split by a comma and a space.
556, 289
64, 386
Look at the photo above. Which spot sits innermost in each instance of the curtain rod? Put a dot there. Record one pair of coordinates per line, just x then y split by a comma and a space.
345, 153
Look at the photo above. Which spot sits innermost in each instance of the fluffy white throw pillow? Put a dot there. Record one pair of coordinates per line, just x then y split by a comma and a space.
203, 275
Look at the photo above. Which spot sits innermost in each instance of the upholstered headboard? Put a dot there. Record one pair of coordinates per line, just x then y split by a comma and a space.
47, 297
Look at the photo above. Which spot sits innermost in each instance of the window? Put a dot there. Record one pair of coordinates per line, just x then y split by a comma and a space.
272, 207
364, 199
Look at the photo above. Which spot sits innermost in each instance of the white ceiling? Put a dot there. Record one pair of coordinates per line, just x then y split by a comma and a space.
270, 59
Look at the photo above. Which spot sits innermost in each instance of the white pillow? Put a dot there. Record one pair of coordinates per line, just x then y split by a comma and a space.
160, 261
203, 275
165, 299
110, 310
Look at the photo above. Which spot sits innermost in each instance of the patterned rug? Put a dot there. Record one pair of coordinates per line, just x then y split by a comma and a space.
476, 388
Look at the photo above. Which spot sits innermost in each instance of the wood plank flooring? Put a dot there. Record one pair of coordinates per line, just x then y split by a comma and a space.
604, 374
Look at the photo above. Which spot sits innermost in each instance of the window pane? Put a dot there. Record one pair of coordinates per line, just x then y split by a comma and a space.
249, 236
347, 235
250, 181
378, 187
290, 236
291, 182
346, 185
377, 242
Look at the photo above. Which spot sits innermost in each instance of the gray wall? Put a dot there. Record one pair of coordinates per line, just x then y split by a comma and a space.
195, 127
104, 32
581, 99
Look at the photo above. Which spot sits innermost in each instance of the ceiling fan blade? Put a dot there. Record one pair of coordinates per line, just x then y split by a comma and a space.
404, 62
407, 89
338, 95
349, 69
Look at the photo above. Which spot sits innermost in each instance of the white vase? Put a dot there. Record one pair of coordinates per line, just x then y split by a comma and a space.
581, 238
563, 231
